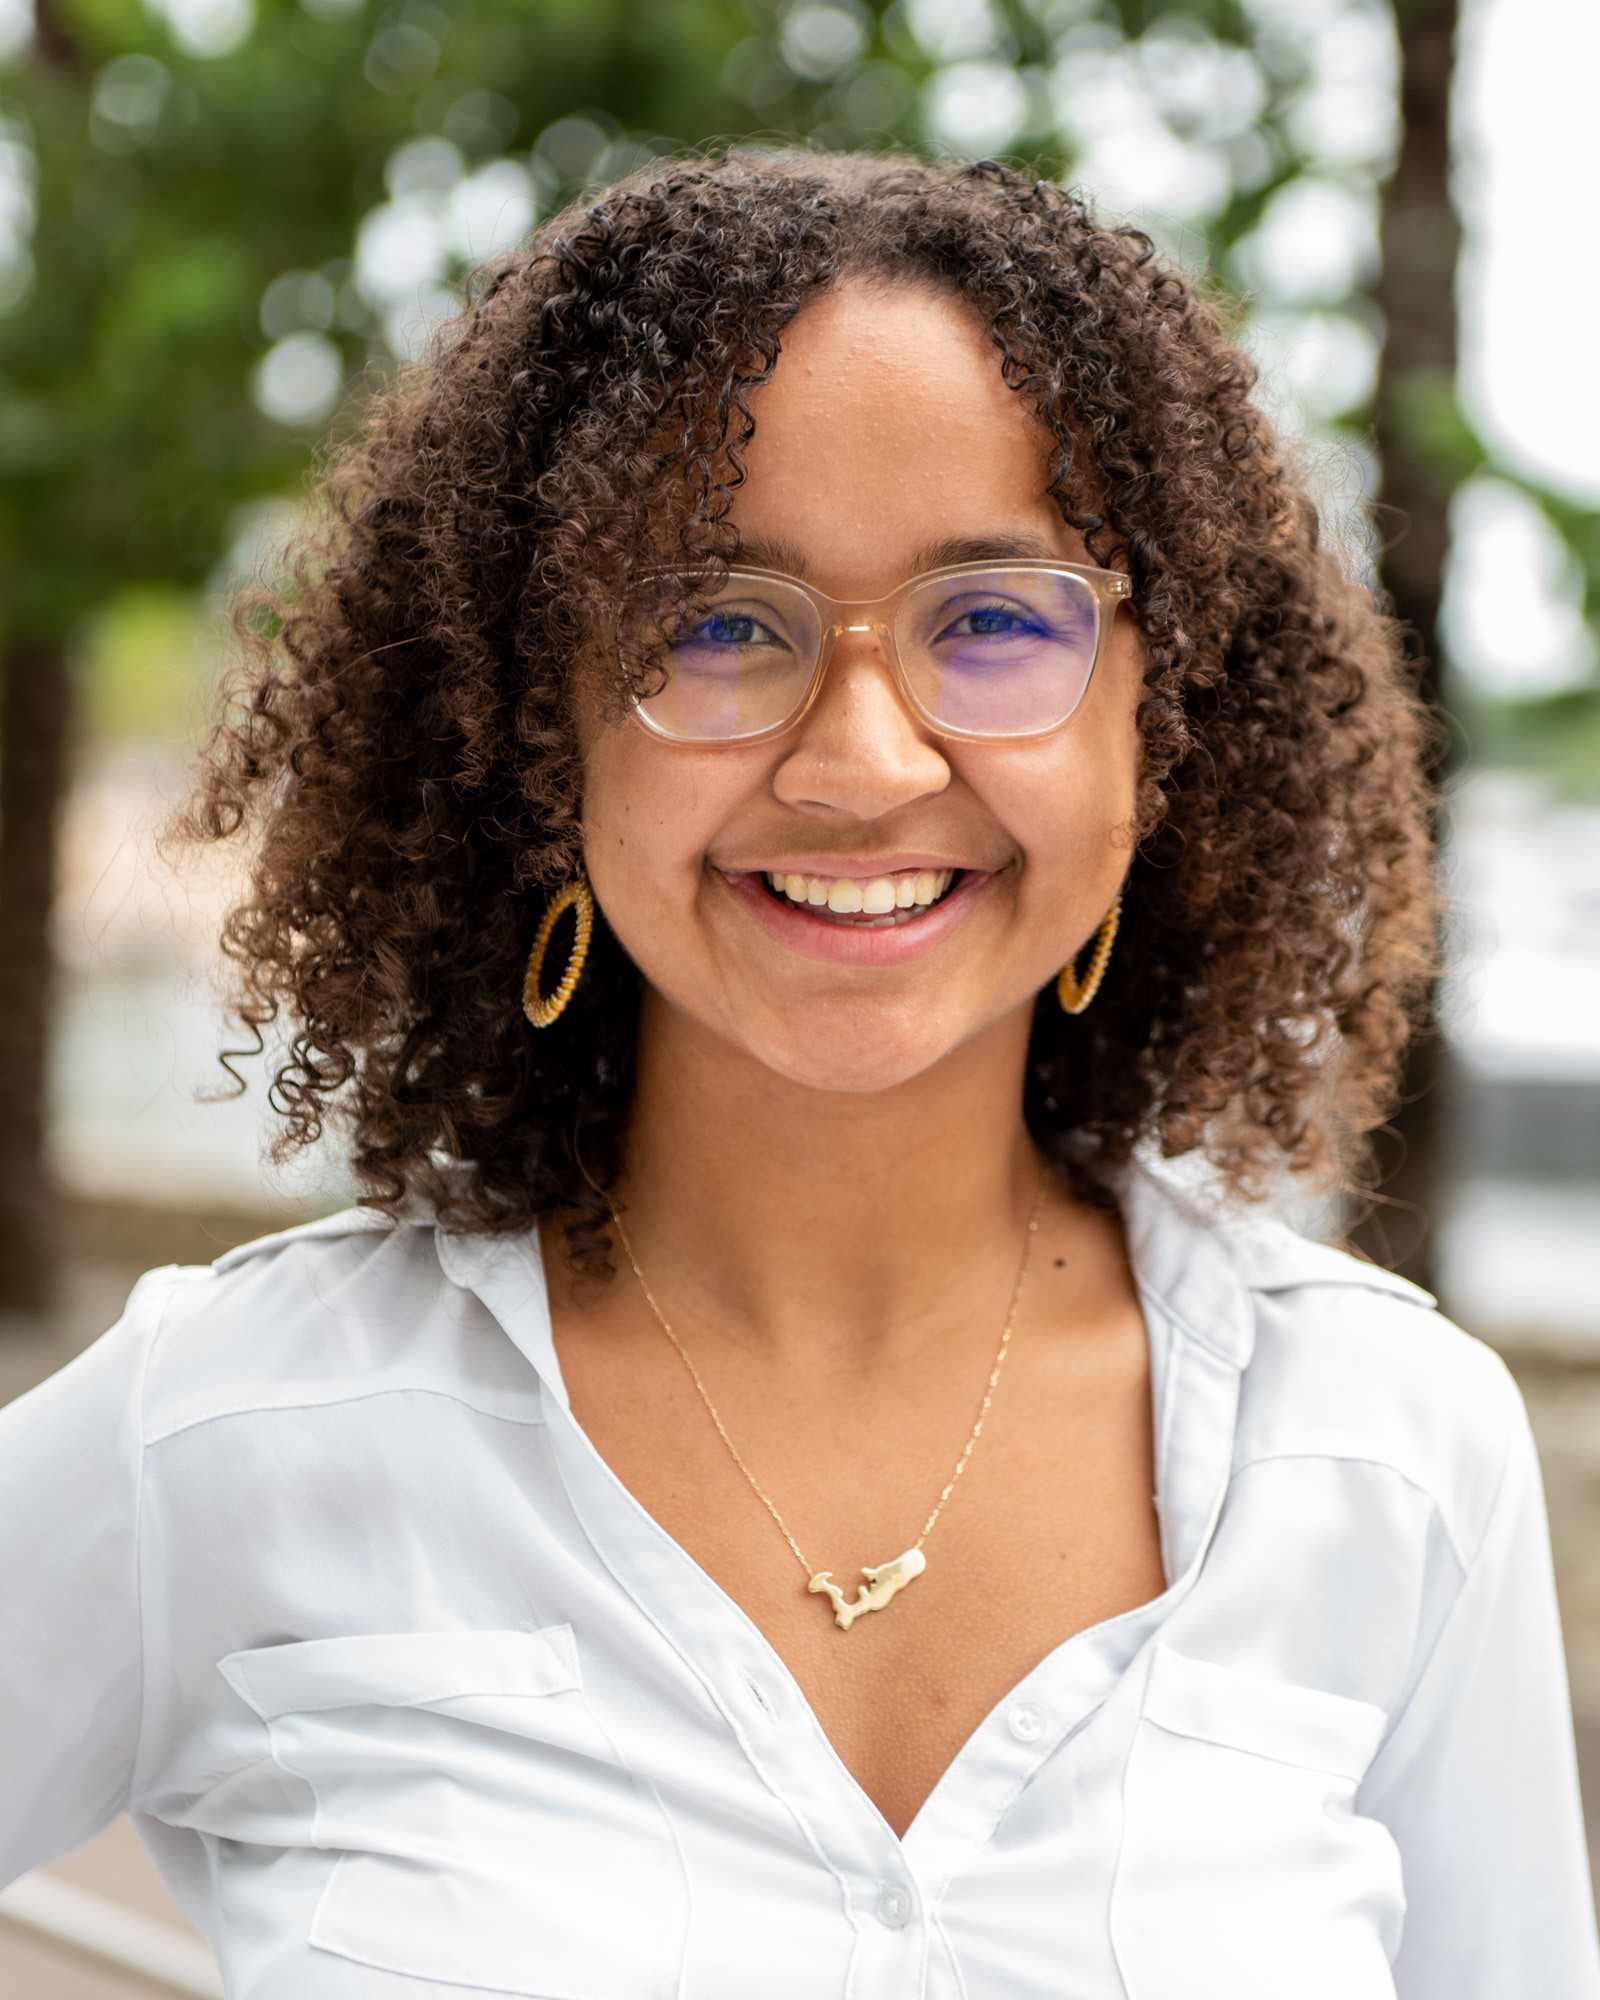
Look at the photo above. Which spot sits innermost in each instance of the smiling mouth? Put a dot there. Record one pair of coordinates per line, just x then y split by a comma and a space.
874, 902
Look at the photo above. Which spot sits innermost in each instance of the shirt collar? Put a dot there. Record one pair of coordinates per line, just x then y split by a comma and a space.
1185, 1259
1192, 1285
507, 1274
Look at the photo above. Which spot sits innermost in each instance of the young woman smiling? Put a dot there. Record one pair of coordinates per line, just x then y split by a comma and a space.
816, 745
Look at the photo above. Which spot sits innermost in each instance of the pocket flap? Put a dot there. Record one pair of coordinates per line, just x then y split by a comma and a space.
401, 1669
1267, 1718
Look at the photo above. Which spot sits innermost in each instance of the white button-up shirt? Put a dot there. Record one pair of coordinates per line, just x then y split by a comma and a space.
308, 1565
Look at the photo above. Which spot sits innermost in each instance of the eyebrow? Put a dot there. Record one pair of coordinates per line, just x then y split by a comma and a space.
772, 552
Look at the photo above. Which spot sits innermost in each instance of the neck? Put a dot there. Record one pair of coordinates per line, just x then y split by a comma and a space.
774, 1209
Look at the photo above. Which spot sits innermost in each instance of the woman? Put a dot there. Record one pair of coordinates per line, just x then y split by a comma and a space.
775, 1493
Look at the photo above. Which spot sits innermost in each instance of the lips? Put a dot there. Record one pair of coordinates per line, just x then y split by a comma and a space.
896, 898
841, 925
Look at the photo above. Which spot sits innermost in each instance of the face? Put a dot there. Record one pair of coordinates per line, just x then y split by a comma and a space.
884, 432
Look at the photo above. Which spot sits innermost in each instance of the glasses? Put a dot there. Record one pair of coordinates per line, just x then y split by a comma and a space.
979, 650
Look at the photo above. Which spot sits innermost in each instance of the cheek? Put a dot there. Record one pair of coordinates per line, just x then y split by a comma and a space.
649, 812
1076, 834
1069, 801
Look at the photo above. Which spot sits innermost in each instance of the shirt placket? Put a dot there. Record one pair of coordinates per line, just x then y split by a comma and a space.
878, 1893
889, 1890
1195, 1422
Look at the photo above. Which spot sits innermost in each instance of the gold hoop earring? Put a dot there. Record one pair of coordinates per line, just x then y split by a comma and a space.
575, 896
1075, 996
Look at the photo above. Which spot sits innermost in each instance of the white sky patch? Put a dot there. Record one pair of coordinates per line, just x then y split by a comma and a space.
1523, 996
16, 27
1315, 366
1316, 242
18, 213
1204, 88
299, 379
1346, 116
1128, 155
1513, 602
950, 30
207, 28
818, 41
402, 245
491, 210
423, 166
439, 221
976, 108
1529, 145
296, 301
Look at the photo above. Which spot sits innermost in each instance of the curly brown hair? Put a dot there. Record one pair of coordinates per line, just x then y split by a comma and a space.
401, 748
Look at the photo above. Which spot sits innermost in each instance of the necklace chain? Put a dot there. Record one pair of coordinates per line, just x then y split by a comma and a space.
972, 1437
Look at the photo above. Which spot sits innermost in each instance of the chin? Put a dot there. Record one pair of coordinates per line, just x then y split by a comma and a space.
837, 1050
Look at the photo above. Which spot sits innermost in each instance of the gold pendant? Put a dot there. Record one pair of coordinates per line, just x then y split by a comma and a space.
882, 1583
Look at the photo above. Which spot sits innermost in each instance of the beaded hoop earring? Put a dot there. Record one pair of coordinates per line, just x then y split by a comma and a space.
1075, 995
575, 896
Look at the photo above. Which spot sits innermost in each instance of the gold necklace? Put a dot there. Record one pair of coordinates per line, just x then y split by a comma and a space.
885, 1580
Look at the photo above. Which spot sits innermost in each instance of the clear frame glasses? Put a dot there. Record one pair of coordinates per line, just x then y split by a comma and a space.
979, 650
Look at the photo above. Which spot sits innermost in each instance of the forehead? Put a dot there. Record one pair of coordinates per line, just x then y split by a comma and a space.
886, 431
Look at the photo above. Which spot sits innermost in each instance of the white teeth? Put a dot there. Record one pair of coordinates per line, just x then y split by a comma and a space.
877, 896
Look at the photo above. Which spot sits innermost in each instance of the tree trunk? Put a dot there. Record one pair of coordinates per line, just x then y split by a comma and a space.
35, 715
1421, 241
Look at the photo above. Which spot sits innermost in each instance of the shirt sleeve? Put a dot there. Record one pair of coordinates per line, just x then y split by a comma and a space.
71, 1656
1477, 1780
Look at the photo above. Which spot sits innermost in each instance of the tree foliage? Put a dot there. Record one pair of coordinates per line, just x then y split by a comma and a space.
220, 219
218, 216
239, 208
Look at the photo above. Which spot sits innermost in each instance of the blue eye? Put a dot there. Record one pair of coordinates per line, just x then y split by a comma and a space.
734, 628
990, 621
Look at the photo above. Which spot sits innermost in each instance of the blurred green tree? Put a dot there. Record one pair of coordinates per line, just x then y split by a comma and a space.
218, 216
183, 322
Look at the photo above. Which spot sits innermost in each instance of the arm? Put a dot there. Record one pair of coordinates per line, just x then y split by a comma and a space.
71, 1653
1477, 1779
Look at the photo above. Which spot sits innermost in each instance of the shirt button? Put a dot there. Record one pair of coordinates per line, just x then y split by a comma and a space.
1026, 1722
894, 1909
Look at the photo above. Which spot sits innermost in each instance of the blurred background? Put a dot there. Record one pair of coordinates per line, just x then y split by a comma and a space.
221, 221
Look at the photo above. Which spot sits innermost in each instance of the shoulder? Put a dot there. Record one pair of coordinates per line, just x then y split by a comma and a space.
1351, 1362
1343, 1360
350, 1306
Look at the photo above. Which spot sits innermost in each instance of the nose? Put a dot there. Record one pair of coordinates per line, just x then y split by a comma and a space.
859, 751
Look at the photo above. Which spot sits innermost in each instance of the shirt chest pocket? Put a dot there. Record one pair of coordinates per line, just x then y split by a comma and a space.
491, 1835
1244, 1872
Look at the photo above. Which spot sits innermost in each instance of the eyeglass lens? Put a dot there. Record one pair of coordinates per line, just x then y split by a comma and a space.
1003, 652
